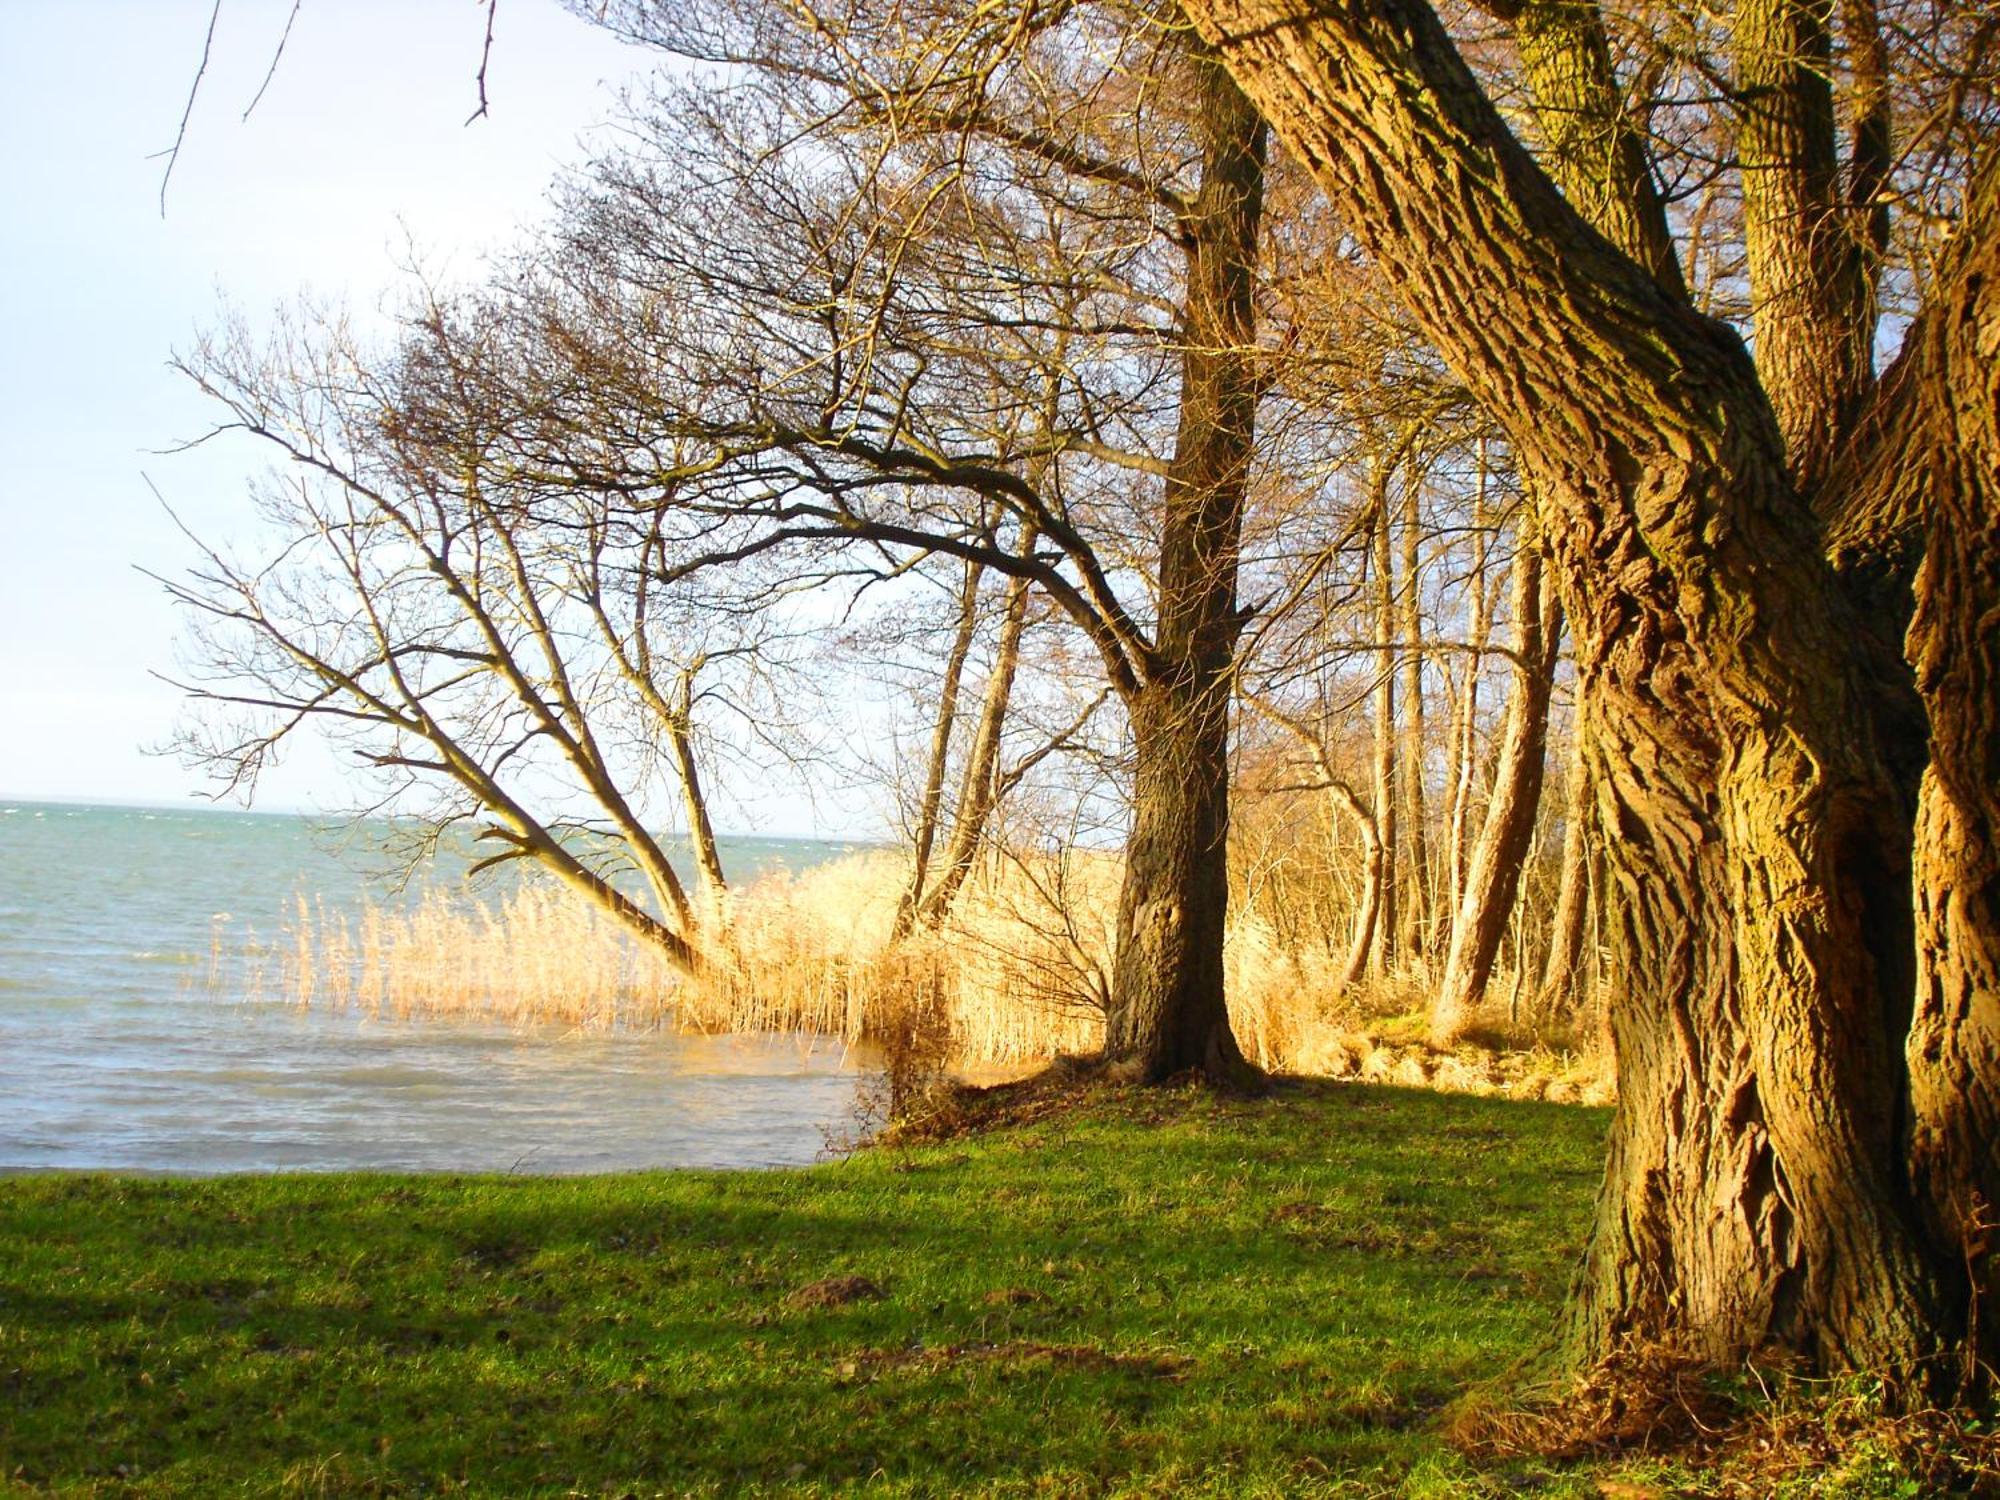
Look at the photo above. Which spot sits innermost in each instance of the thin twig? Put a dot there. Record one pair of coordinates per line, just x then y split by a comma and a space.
173, 152
272, 71
485, 56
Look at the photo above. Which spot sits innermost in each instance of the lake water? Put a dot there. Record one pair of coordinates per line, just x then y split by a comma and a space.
117, 1051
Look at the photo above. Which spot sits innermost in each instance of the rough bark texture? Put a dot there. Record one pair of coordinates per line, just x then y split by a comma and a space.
1954, 644
1811, 296
1590, 143
1167, 1012
1755, 1192
1494, 876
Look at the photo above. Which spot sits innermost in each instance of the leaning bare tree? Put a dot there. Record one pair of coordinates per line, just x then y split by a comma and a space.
500, 654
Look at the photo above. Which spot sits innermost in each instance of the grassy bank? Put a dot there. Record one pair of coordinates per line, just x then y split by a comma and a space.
1158, 1294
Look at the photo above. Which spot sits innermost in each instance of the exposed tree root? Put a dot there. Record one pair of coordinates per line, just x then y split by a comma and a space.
1754, 1431
949, 1109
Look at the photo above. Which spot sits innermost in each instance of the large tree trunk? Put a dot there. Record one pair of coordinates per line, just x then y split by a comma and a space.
1495, 875
1167, 1011
1755, 1192
1954, 643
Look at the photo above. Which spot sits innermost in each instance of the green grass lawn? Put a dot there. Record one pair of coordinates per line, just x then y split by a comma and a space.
1160, 1293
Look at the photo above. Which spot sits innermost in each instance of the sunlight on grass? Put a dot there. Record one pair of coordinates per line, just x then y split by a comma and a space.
1159, 1294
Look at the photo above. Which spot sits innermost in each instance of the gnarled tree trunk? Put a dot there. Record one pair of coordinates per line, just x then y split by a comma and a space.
1755, 1193
1954, 643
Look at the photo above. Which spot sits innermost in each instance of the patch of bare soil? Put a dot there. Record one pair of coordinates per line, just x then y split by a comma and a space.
834, 1291
949, 1109
1150, 1364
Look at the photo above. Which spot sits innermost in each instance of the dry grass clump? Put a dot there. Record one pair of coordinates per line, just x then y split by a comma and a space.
1755, 1433
539, 956
1013, 976
1017, 974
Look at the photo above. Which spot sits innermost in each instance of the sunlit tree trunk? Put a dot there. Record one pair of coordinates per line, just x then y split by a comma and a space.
1494, 878
1384, 959
979, 784
679, 728
1755, 1189
1167, 1011
1345, 799
1414, 909
1954, 643
1811, 287
1465, 710
1562, 967
1591, 144
944, 725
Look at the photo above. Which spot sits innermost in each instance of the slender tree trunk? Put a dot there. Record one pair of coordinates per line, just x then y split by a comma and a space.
1374, 880
1383, 960
1755, 1192
1495, 877
1416, 907
1465, 725
1561, 976
694, 802
1345, 799
979, 787
1167, 1011
924, 835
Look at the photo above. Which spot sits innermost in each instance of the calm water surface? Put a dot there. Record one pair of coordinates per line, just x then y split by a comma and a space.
116, 1052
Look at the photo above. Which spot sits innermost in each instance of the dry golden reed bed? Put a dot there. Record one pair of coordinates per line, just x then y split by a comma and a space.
1014, 977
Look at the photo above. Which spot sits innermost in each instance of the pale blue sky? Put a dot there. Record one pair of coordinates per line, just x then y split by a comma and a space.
359, 141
